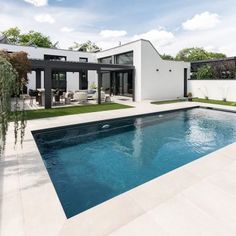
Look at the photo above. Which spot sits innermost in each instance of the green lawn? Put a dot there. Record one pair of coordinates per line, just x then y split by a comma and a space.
64, 111
219, 102
168, 101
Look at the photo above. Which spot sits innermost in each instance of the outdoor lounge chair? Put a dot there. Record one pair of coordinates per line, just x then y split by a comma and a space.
81, 96
103, 96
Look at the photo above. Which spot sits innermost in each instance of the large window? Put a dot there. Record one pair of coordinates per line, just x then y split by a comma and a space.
105, 60
124, 58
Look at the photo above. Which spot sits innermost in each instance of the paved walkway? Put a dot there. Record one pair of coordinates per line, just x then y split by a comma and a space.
196, 199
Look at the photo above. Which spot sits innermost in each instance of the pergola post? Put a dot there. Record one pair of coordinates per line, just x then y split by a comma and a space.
80, 79
38, 78
99, 85
48, 87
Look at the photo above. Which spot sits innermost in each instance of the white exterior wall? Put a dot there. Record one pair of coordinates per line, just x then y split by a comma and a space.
150, 84
136, 48
38, 53
162, 84
213, 89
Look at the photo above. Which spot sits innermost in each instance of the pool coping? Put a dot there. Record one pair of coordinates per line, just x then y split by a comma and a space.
33, 187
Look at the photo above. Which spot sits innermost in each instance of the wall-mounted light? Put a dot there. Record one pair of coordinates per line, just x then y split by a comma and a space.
157, 69
170, 70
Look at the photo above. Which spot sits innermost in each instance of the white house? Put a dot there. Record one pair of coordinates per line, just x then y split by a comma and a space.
155, 78
152, 78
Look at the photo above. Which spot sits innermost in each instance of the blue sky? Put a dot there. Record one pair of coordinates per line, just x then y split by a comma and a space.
170, 25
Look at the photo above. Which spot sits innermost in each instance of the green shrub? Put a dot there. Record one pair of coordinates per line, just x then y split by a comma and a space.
204, 72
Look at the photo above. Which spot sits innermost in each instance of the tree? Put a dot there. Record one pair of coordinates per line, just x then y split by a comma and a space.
224, 69
14, 36
204, 72
13, 73
36, 38
85, 47
196, 54
167, 57
20, 62
216, 55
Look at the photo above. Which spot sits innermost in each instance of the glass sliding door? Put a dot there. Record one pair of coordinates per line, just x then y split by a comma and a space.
123, 84
128, 84
106, 82
59, 81
83, 80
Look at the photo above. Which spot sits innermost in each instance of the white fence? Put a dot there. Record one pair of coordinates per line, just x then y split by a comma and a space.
213, 89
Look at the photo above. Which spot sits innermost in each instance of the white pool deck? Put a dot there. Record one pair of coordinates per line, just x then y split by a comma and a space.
196, 199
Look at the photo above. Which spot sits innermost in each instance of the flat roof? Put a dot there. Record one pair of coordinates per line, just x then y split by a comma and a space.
60, 49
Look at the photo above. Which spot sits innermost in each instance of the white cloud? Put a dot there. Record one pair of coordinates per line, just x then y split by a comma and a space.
112, 33
44, 18
37, 3
158, 37
67, 29
203, 21
220, 39
86, 22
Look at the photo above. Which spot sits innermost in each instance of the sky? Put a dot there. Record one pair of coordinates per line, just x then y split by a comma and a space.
170, 25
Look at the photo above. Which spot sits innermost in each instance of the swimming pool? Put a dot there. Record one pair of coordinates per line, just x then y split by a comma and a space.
91, 163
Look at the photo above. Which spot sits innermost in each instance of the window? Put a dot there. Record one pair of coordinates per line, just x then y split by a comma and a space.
54, 58
105, 60
59, 81
83, 59
124, 58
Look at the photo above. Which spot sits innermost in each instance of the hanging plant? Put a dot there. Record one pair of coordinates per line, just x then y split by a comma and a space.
13, 76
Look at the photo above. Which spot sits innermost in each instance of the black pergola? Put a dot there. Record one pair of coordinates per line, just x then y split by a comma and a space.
68, 66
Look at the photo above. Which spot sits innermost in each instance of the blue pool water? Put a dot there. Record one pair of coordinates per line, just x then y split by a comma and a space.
89, 164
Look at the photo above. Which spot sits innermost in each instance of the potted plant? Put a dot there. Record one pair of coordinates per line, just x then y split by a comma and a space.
190, 97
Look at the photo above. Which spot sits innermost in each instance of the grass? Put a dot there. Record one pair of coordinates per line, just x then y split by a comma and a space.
167, 101
211, 101
64, 111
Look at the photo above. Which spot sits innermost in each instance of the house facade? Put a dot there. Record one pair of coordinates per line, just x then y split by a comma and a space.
152, 78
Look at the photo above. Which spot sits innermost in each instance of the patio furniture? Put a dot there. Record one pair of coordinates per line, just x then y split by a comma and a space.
107, 99
33, 94
57, 96
69, 94
81, 96
67, 97
103, 95
91, 93
41, 94
67, 100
